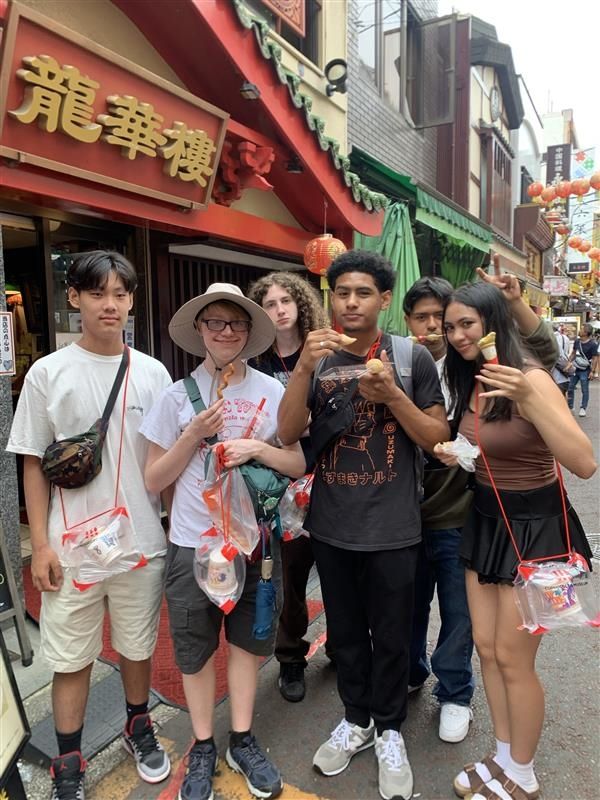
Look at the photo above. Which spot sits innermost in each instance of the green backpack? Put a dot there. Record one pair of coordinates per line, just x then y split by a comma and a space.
266, 485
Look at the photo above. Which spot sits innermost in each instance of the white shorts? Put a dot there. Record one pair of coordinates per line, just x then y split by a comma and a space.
71, 622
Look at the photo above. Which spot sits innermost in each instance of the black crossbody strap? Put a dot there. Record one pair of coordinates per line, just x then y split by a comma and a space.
112, 397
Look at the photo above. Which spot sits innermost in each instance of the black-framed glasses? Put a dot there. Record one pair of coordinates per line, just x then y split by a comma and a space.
219, 325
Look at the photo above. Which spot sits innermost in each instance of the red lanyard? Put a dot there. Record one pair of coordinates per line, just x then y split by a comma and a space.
62, 502
283, 364
374, 347
503, 512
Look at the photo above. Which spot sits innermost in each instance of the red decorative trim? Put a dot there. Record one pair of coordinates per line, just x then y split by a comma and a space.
243, 165
292, 12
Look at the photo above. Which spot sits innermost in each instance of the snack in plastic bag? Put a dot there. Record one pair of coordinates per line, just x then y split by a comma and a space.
293, 508
101, 547
350, 371
220, 571
230, 505
556, 594
465, 452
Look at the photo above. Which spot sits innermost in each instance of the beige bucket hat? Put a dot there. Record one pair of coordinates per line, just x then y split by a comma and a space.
184, 333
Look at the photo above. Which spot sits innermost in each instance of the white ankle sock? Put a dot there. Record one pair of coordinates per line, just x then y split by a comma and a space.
521, 774
501, 757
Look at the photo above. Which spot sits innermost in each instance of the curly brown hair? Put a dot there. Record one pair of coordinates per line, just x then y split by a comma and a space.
311, 314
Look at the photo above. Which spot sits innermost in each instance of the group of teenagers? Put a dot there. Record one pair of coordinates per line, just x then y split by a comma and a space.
383, 533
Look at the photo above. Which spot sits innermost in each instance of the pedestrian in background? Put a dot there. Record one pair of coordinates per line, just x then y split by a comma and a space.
65, 393
584, 356
364, 515
563, 369
295, 308
523, 426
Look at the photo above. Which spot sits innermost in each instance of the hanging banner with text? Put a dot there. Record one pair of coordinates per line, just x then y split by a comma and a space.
71, 106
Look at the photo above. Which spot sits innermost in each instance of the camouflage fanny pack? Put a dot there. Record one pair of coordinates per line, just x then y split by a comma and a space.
74, 462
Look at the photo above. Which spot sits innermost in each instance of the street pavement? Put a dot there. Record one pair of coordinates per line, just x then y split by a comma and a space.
567, 764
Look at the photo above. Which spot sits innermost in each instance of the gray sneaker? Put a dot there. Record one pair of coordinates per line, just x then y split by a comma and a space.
345, 741
395, 774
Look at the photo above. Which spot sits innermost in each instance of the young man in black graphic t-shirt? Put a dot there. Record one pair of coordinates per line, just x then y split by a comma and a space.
364, 515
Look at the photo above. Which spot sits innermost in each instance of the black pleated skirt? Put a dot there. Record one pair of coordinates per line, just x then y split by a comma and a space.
537, 522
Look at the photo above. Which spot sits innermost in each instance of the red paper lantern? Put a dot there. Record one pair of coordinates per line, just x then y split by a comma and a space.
580, 186
575, 241
563, 229
585, 246
535, 189
563, 189
548, 194
594, 253
595, 181
320, 252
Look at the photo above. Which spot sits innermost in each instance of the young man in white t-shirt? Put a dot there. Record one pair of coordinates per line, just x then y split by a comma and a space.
63, 395
224, 327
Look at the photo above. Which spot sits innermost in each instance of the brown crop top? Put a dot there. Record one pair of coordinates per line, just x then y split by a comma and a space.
516, 453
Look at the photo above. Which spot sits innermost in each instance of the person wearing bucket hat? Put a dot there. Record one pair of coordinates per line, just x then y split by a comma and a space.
225, 328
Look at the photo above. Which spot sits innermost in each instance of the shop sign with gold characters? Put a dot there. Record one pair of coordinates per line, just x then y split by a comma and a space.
66, 98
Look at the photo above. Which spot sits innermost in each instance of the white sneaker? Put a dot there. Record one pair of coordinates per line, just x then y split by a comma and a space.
395, 774
582, 412
454, 722
334, 755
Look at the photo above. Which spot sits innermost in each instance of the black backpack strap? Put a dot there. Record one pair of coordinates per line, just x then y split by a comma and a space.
196, 400
112, 397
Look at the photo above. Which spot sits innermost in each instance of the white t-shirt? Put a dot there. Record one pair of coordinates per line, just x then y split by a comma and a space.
63, 395
445, 391
173, 412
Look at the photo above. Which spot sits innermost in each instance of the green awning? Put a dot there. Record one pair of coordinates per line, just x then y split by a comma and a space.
433, 209
440, 216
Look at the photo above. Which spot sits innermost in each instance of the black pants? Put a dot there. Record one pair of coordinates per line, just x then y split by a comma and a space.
368, 599
296, 562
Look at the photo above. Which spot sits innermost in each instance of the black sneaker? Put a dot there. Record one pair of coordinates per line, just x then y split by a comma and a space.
262, 776
68, 772
140, 741
201, 766
291, 682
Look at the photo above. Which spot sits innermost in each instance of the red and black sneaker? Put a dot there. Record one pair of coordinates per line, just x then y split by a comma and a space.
68, 772
139, 739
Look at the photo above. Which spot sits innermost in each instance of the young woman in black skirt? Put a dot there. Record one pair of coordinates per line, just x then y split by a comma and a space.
523, 425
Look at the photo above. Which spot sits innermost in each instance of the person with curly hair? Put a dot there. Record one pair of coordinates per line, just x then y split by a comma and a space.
296, 309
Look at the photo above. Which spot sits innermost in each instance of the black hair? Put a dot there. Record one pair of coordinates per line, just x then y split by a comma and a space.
438, 288
91, 270
363, 261
492, 307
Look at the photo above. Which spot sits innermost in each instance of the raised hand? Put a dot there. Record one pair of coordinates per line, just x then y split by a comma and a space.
508, 284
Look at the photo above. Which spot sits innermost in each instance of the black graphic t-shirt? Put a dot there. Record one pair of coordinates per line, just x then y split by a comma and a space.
281, 367
364, 495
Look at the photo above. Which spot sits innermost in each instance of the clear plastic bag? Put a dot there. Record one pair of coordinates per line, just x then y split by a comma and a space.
465, 452
230, 505
101, 547
293, 508
554, 594
220, 571
347, 373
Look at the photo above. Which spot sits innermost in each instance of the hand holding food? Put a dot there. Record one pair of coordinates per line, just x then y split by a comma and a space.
487, 345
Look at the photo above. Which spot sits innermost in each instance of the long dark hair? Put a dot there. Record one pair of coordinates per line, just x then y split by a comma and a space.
490, 304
